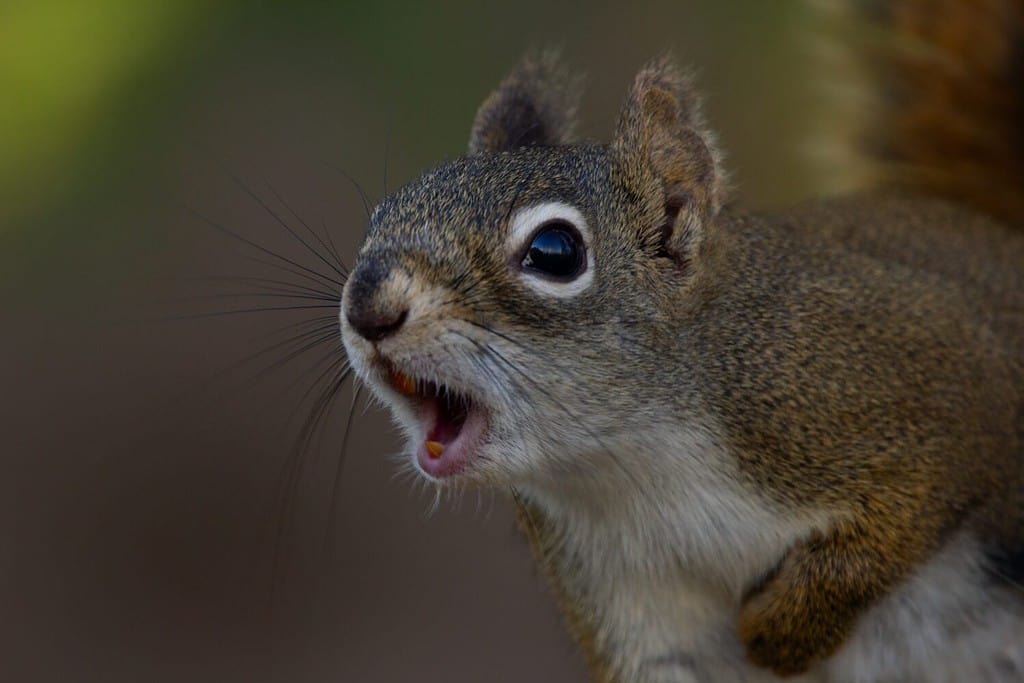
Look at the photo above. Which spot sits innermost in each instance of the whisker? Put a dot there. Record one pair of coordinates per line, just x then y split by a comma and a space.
359, 188
293, 465
323, 338
338, 268
319, 326
283, 284
333, 248
267, 294
318, 284
387, 149
432, 510
559, 405
492, 373
332, 513
328, 359
242, 311
339, 364
283, 223
259, 247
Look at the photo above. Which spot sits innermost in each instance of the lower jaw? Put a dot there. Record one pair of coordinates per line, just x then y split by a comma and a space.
459, 456
436, 468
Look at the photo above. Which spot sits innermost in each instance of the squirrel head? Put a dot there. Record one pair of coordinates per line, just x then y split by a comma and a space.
511, 306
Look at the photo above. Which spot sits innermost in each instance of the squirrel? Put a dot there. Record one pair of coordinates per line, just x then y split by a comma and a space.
742, 446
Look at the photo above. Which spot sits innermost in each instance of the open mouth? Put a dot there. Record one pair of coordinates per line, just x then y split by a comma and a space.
451, 425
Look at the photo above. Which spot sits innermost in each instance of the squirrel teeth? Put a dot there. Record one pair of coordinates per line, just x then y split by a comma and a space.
435, 449
405, 384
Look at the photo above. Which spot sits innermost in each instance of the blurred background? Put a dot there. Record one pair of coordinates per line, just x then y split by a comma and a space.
164, 515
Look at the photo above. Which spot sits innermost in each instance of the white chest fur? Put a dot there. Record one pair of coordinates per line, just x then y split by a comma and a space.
662, 560
663, 573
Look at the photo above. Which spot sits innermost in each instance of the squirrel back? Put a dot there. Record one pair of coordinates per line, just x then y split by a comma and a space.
945, 118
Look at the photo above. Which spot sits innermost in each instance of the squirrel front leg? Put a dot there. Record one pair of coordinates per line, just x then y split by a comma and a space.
805, 610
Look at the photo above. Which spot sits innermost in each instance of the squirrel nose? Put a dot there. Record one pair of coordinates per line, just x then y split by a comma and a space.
369, 311
375, 325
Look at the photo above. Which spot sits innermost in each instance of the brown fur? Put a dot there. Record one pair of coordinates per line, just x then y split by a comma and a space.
951, 127
865, 399
859, 356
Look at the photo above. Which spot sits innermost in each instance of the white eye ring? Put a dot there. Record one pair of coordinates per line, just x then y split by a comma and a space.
524, 224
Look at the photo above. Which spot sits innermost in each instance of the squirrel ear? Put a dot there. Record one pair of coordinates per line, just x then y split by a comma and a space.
662, 143
534, 105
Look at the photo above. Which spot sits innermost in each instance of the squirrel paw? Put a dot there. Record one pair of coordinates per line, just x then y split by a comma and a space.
786, 627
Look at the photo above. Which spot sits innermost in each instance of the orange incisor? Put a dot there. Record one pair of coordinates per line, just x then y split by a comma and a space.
434, 449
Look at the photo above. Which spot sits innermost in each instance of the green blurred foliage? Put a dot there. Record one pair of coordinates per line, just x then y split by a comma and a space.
66, 66
101, 96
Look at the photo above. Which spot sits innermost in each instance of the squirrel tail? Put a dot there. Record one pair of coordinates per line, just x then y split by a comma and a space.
948, 76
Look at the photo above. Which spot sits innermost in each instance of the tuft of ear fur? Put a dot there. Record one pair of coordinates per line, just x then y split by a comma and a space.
661, 139
534, 105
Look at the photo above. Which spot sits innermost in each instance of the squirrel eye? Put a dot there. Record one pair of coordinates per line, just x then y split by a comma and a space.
555, 251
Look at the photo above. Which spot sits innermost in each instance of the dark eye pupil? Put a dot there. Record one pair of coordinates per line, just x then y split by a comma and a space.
555, 251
